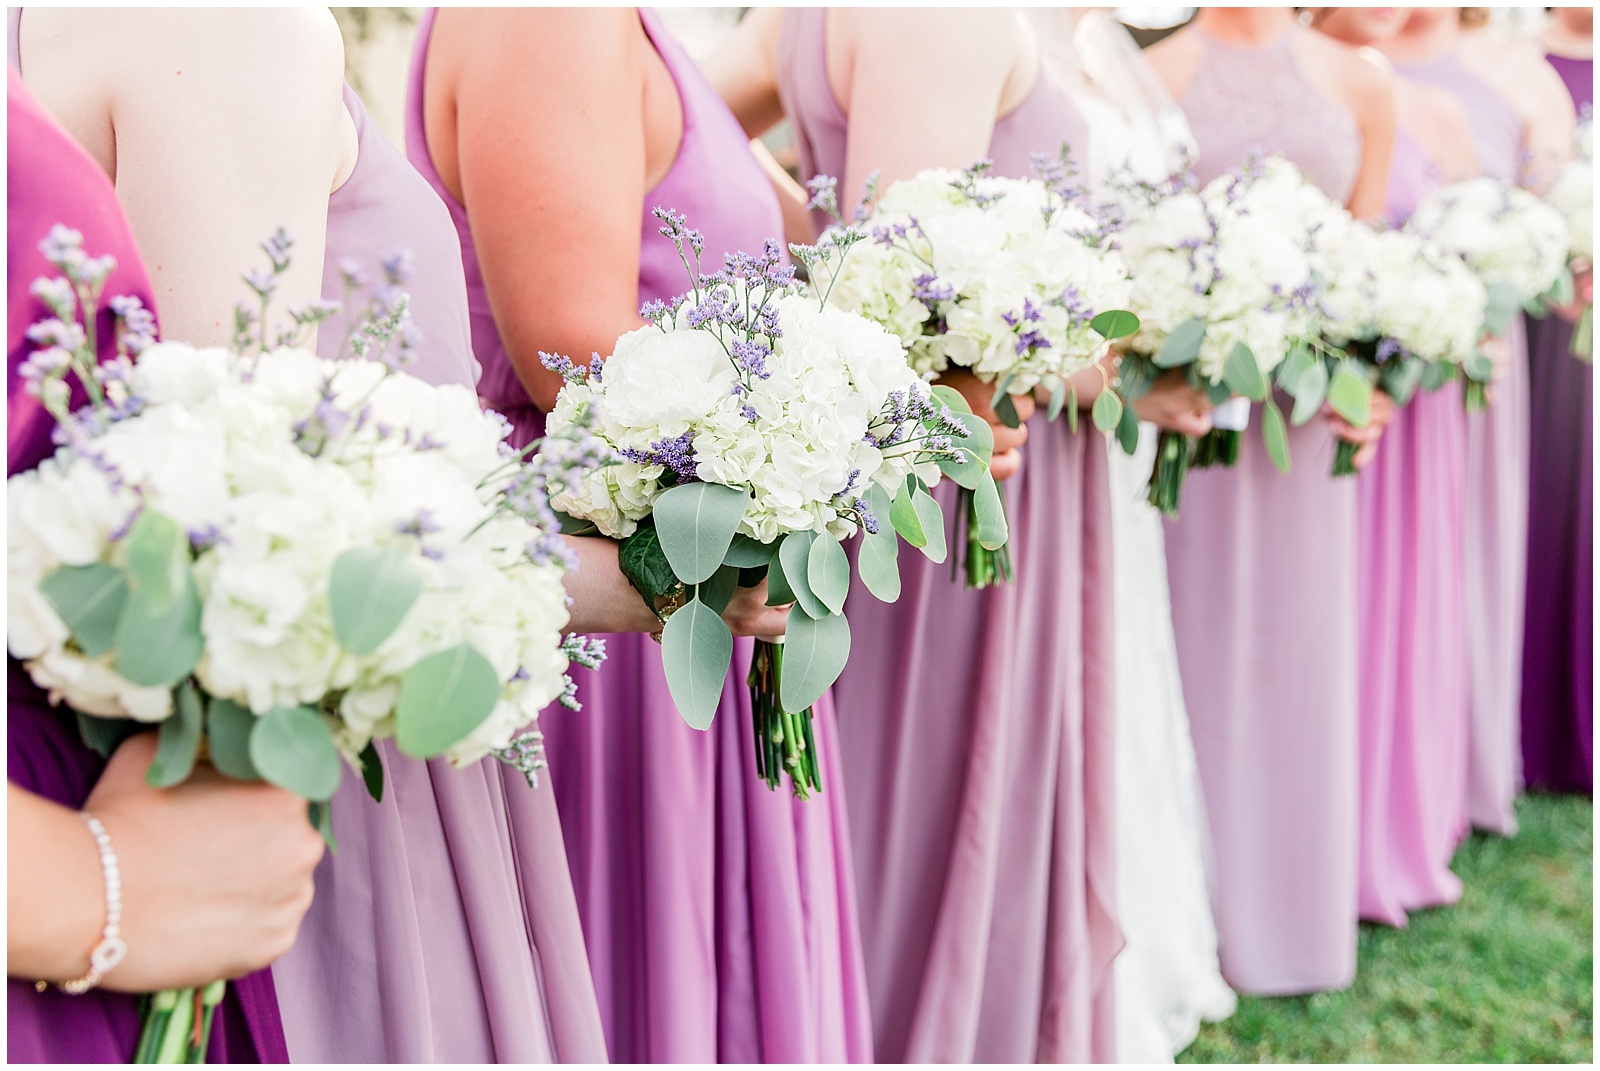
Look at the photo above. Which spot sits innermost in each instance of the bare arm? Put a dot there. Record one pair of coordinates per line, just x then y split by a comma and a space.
1375, 114
550, 121
227, 125
745, 71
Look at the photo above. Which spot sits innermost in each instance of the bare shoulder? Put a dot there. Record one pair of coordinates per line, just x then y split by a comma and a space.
910, 31
1366, 73
1176, 58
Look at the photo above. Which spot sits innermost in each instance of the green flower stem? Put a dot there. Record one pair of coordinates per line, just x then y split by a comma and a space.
1344, 458
1172, 463
1477, 396
1583, 335
784, 740
984, 567
1219, 446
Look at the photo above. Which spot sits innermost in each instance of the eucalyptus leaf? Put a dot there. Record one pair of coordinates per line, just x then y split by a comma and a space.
779, 591
1501, 308
1242, 374
1128, 431
1275, 435
228, 730
158, 558
951, 397
903, 516
293, 748
814, 654
1006, 410
747, 553
372, 770
1295, 364
696, 523
1311, 390
442, 698
989, 507
1002, 388
977, 446
105, 735
1107, 411
89, 599
1216, 393
931, 517
879, 565
370, 590
696, 651
1182, 345
178, 741
1479, 366
795, 554
828, 572
1135, 376
717, 592
1115, 323
1436, 375
321, 815
1058, 399
1350, 395
159, 643
1401, 377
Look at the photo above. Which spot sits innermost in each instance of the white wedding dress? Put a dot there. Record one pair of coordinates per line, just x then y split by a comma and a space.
1167, 978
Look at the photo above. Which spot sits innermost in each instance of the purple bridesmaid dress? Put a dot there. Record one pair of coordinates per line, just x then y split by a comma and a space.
52, 180
719, 915
977, 725
445, 929
1262, 567
1413, 639
1558, 641
1496, 499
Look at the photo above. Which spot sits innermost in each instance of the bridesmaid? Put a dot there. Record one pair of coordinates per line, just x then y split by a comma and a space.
978, 736
1521, 120
1263, 564
445, 927
1411, 503
184, 854
1558, 641
719, 915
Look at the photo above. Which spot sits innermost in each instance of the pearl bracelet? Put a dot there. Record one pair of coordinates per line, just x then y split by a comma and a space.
111, 949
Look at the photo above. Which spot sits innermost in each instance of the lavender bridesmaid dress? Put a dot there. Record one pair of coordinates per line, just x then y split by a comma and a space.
1558, 643
977, 725
1413, 640
719, 915
1496, 500
51, 180
445, 928
1262, 567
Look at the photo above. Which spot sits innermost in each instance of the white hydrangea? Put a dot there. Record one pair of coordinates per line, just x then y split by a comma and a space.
414, 467
1505, 234
1573, 196
798, 437
1235, 255
968, 272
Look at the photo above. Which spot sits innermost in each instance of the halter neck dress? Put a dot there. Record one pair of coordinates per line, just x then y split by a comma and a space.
719, 915
444, 929
1558, 643
52, 180
977, 726
1262, 567
1496, 498
1413, 639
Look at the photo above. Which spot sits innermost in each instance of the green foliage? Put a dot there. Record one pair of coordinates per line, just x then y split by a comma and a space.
828, 572
931, 519
695, 523
795, 555
1311, 390
178, 741
696, 651
293, 748
370, 591
158, 640
1242, 374
1107, 411
89, 599
158, 558
1275, 435
645, 564
228, 729
814, 654
1350, 394
904, 517
1115, 323
1503, 976
442, 698
989, 509
1183, 345
879, 565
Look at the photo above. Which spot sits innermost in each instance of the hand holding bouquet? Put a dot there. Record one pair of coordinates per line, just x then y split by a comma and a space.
743, 435
1573, 196
277, 558
1014, 280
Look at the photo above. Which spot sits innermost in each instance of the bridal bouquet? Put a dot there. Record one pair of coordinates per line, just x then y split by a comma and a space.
1223, 287
1397, 314
1514, 242
1573, 196
1014, 280
278, 559
745, 434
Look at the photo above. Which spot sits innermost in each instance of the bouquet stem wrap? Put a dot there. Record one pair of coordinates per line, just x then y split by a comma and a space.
177, 1025
784, 740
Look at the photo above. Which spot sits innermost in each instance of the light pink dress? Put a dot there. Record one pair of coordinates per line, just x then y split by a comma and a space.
1413, 641
976, 726
1497, 500
1262, 567
719, 914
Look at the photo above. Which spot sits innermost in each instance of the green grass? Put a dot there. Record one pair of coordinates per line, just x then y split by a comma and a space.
1506, 975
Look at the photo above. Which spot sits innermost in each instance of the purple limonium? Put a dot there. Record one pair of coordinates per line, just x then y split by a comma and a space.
676, 454
56, 294
138, 324
203, 539
927, 289
869, 520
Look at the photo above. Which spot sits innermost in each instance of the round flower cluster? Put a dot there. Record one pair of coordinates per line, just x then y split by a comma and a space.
274, 466
1394, 285
1505, 234
806, 420
1001, 276
1573, 196
1235, 256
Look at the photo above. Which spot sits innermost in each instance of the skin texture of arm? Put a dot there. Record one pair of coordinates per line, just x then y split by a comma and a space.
604, 601
562, 121
217, 127
745, 71
216, 876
